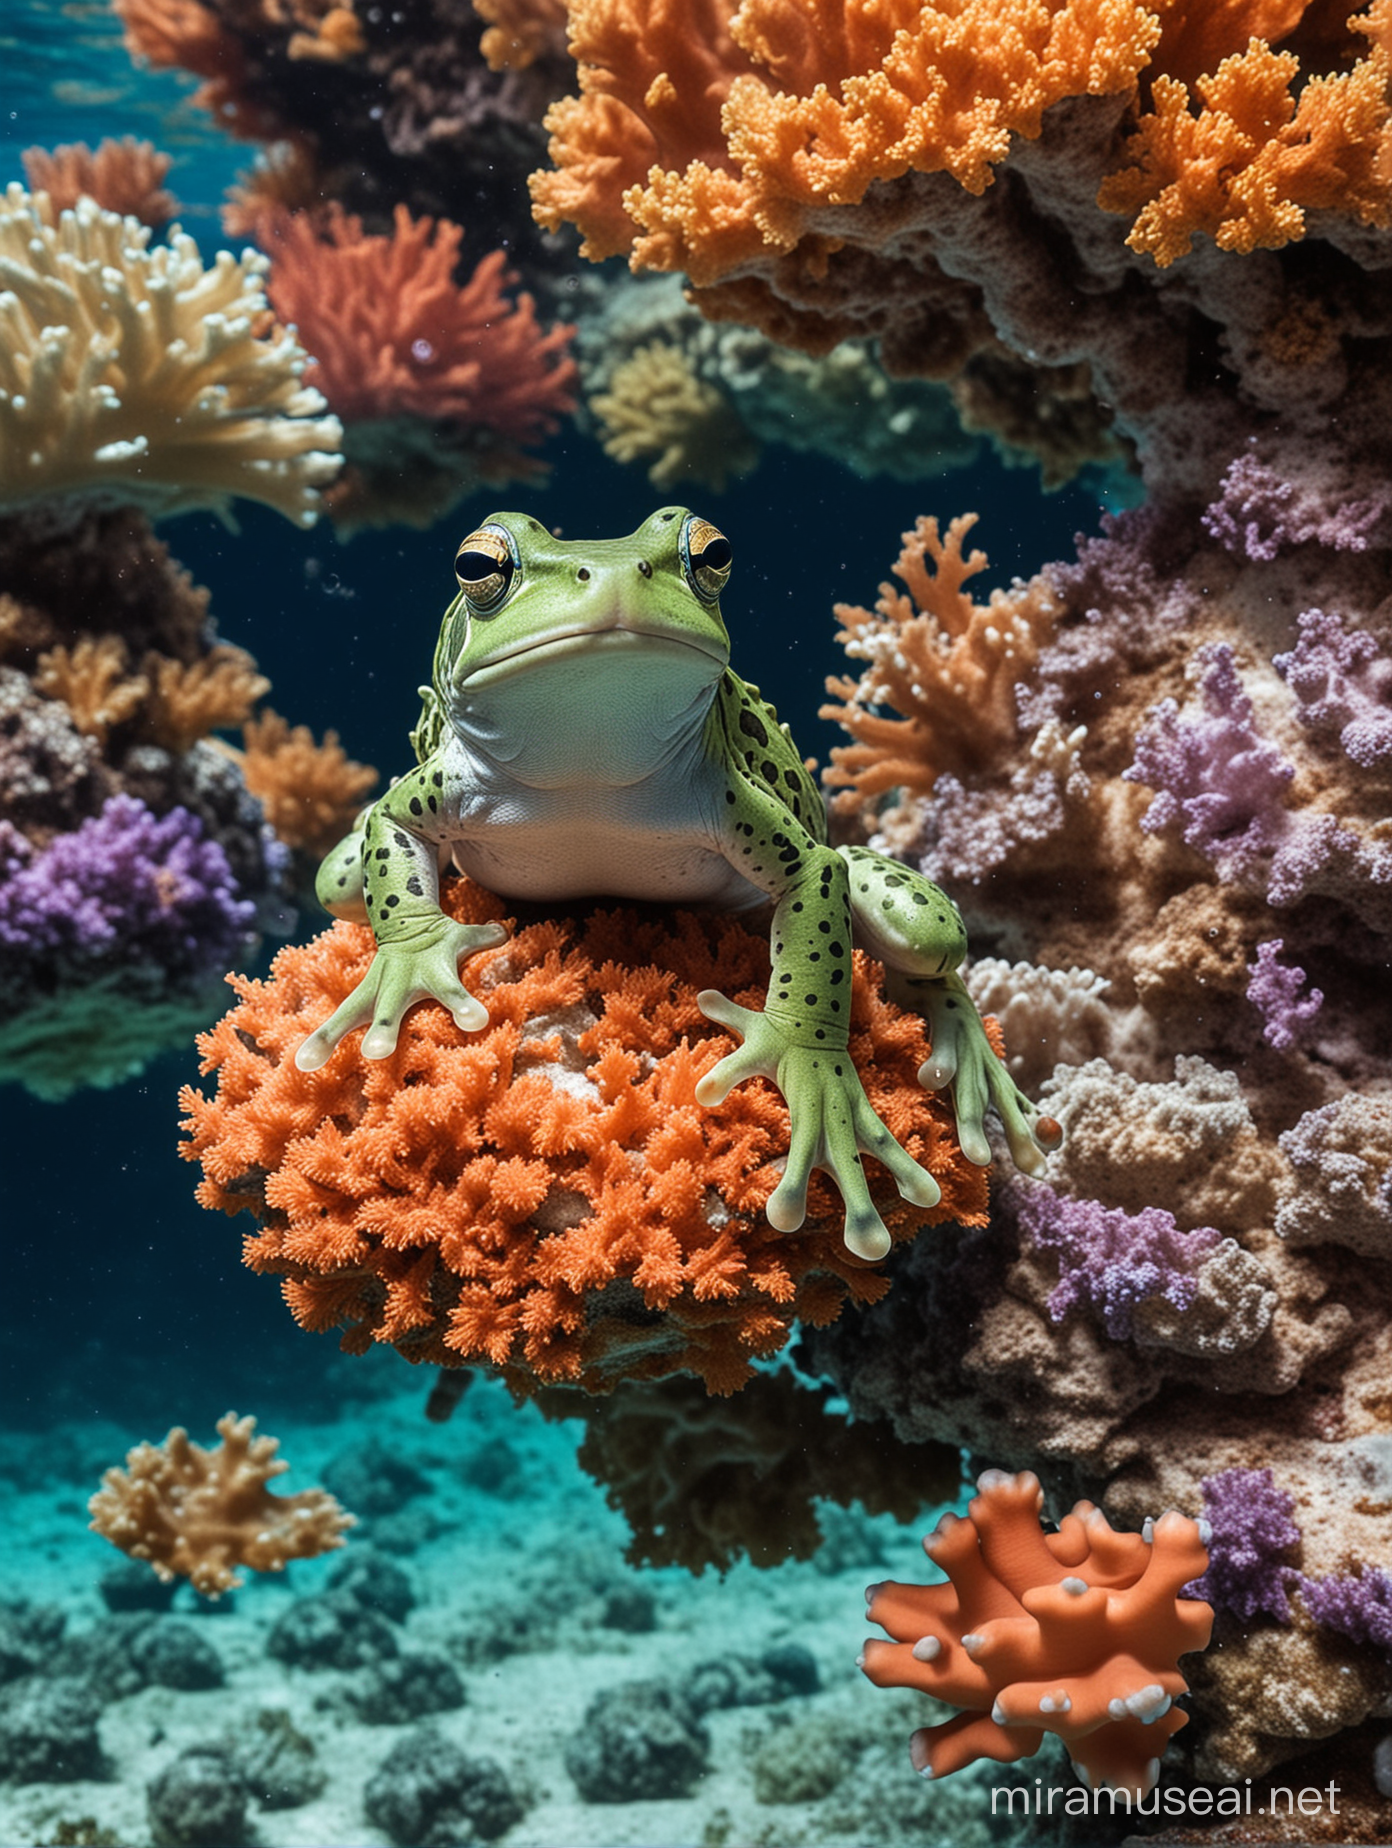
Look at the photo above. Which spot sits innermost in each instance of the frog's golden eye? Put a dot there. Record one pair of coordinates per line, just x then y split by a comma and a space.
706, 558
485, 565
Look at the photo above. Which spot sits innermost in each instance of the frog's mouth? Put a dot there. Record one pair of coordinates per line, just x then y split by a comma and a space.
612, 638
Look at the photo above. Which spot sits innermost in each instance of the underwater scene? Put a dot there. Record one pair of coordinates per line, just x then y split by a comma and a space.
695, 898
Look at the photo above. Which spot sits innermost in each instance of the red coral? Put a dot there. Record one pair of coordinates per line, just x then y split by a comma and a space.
393, 335
547, 1195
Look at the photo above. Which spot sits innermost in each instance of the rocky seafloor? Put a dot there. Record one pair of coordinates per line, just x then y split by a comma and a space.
477, 1664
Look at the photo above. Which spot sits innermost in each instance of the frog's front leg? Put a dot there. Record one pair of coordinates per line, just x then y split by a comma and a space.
394, 885
916, 930
800, 1040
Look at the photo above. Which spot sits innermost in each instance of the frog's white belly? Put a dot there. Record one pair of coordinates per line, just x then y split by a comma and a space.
653, 840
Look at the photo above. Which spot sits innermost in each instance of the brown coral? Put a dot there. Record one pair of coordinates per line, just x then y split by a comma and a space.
198, 1514
704, 1483
125, 176
547, 1195
310, 792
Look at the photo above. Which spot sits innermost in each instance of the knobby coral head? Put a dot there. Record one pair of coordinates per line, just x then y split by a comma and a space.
1077, 1633
546, 1195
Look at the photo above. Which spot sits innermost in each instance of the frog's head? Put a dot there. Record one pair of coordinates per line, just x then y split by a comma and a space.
556, 647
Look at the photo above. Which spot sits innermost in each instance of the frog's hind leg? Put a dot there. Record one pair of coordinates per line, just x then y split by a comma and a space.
916, 931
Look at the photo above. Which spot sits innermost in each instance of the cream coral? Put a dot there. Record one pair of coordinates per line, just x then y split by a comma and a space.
135, 376
198, 1514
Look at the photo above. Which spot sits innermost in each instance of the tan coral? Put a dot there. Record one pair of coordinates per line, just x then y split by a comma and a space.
1077, 1633
521, 31
943, 662
93, 680
198, 1514
125, 176
310, 792
657, 410
190, 699
135, 376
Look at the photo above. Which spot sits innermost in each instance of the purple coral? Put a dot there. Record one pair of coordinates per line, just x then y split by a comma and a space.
1216, 774
127, 887
1251, 1524
1258, 514
1112, 1260
1357, 1605
1274, 990
1341, 682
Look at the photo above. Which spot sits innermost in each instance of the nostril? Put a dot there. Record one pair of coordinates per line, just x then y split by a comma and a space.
645, 567
583, 574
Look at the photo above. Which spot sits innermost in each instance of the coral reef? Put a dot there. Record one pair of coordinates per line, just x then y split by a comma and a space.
460, 381
1162, 766
136, 860
1077, 1633
546, 1195
198, 1514
658, 411
135, 376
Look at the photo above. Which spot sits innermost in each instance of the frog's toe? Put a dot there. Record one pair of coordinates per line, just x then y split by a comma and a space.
315, 1051
938, 1070
866, 1235
787, 1206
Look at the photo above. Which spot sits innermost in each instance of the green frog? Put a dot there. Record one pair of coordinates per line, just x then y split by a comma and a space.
584, 735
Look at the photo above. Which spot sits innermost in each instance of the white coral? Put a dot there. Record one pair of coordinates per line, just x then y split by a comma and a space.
134, 376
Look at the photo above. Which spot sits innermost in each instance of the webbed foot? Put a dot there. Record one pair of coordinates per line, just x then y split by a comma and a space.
832, 1122
963, 1058
421, 967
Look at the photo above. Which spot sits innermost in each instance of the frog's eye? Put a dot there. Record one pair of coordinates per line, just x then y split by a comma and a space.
485, 565
706, 558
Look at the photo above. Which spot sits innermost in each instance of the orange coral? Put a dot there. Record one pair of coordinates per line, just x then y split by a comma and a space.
1252, 158
702, 143
521, 31
717, 135
1076, 1633
546, 1195
91, 679
196, 1513
125, 176
949, 665
393, 335
310, 792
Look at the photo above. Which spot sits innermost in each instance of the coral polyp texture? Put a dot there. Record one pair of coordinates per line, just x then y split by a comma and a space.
1077, 1633
546, 1196
446, 384
199, 1514
132, 376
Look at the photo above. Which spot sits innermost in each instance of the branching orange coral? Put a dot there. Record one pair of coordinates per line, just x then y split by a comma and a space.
310, 791
197, 1514
125, 176
547, 1195
393, 335
947, 664
1246, 157
701, 144
717, 135
1076, 1633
